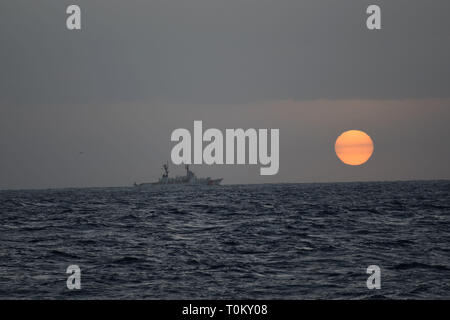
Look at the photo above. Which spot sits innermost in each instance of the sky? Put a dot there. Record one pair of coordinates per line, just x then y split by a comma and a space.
96, 107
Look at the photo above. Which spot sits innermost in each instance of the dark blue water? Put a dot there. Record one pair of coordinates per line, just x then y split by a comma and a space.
287, 241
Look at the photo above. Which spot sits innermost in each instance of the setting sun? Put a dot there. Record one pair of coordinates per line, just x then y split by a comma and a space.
354, 147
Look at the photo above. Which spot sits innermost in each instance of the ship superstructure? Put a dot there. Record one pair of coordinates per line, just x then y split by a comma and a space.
189, 179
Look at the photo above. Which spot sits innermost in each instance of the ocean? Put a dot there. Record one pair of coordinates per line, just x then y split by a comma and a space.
271, 241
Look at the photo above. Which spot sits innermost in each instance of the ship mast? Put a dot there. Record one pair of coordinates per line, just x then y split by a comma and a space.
166, 170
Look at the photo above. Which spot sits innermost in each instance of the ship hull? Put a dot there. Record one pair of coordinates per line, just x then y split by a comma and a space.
205, 182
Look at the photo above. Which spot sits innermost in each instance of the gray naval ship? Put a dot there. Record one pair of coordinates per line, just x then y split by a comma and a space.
189, 179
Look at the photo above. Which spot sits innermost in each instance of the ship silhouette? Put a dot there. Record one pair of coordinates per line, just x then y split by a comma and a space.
189, 179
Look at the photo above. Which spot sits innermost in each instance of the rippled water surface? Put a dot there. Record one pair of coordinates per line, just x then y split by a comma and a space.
286, 241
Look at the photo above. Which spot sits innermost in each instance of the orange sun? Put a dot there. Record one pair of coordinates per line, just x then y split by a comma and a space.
354, 147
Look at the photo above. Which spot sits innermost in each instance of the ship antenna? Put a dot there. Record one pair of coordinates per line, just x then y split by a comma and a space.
166, 169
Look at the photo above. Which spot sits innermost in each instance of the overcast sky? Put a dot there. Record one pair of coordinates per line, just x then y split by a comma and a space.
140, 69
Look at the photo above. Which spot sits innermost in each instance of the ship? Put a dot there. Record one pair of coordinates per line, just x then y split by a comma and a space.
189, 179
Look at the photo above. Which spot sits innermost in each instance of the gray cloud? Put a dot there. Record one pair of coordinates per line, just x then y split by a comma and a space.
234, 51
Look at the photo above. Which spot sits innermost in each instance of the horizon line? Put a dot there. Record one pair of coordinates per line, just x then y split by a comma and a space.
231, 184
